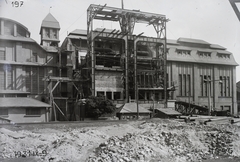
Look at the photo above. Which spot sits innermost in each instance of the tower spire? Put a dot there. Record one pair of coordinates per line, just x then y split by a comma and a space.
122, 4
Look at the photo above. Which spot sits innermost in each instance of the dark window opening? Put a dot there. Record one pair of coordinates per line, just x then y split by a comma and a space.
100, 93
3, 111
117, 95
109, 95
33, 111
141, 95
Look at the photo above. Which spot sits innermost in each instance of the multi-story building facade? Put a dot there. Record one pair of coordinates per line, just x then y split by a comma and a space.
191, 65
194, 68
23, 62
24, 66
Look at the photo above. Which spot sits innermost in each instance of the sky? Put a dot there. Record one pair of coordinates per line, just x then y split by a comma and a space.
213, 21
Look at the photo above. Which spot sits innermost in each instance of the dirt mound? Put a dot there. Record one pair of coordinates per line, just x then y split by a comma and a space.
158, 140
169, 142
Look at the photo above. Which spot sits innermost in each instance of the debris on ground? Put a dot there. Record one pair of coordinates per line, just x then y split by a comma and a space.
135, 141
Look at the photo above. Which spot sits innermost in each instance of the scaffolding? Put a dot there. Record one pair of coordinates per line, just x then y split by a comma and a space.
60, 104
127, 20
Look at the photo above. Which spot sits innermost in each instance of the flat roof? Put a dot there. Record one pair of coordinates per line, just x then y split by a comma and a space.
77, 37
78, 32
132, 108
21, 102
190, 40
168, 111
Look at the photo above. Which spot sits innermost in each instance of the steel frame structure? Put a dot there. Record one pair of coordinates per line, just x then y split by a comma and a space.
127, 20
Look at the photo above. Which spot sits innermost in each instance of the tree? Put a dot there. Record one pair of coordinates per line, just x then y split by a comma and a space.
97, 106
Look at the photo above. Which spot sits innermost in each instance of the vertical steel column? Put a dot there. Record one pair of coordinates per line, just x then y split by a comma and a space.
165, 64
92, 60
135, 75
126, 69
90, 39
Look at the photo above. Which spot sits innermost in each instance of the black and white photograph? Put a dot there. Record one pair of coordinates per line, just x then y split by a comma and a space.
119, 80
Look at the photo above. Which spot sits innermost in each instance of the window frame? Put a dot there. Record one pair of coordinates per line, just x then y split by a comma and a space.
33, 111
4, 109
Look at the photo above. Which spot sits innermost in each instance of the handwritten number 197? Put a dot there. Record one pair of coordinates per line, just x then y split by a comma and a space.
17, 3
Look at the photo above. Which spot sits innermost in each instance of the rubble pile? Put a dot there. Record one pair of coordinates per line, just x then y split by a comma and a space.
171, 142
219, 143
136, 141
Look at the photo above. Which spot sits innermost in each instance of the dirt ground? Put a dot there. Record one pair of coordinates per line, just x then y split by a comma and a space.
137, 141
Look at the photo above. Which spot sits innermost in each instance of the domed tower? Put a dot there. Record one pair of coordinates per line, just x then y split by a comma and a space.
50, 31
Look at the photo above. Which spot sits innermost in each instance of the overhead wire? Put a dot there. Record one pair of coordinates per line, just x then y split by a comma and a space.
74, 21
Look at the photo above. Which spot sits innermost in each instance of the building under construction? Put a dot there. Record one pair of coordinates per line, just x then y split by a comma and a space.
116, 63
188, 75
152, 71
127, 67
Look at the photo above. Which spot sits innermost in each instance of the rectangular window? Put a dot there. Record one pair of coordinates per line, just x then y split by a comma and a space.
3, 78
141, 95
223, 56
150, 81
204, 84
41, 81
10, 79
184, 52
148, 95
156, 96
180, 84
3, 111
188, 85
109, 95
34, 57
33, 111
54, 33
204, 54
2, 55
100, 93
117, 95
10, 95
184, 84
35, 80
8, 28
47, 32
28, 79
224, 86
228, 86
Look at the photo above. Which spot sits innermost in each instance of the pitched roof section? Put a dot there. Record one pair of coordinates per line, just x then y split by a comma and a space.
132, 108
13, 92
189, 40
216, 46
78, 32
50, 22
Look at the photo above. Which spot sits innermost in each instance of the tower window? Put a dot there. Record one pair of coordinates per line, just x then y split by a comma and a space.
47, 32
54, 33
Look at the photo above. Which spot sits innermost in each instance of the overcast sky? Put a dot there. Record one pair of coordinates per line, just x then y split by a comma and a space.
211, 20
